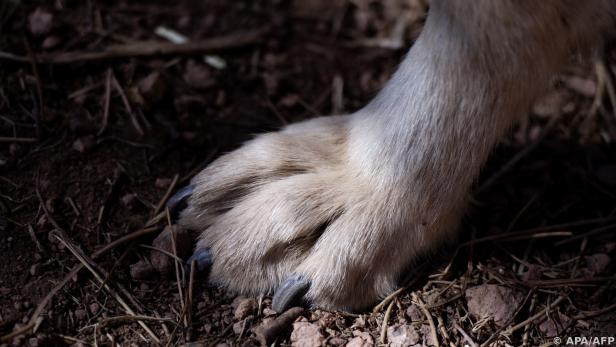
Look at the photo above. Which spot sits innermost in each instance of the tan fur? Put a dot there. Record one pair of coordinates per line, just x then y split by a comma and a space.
350, 201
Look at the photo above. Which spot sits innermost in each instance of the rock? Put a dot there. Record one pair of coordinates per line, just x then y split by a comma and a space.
549, 105
495, 301
244, 308
141, 270
336, 341
40, 22
94, 308
163, 182
81, 314
238, 327
152, 87
586, 87
183, 244
361, 339
402, 336
84, 143
198, 76
426, 332
414, 313
598, 263
306, 334
554, 325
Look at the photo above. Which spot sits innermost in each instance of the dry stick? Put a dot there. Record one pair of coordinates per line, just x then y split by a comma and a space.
107, 321
538, 230
165, 197
129, 109
393, 295
148, 49
417, 301
18, 139
383, 337
107, 102
88, 265
466, 336
167, 253
266, 334
537, 315
586, 234
189, 303
590, 314
179, 280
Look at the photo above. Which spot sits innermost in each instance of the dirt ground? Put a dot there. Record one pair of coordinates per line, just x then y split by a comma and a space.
91, 145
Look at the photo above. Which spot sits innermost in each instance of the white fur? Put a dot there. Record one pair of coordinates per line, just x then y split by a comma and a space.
350, 201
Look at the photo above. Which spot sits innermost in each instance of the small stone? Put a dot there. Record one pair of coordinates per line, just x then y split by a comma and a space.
426, 332
81, 314
414, 313
129, 200
33, 342
141, 270
198, 76
40, 22
238, 327
549, 105
162, 182
183, 247
84, 144
51, 42
152, 87
495, 301
554, 324
94, 308
245, 308
306, 334
598, 263
402, 335
336, 341
584, 86
269, 312
361, 339
34, 269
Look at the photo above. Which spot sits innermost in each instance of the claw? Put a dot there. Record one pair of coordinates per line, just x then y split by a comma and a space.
290, 292
178, 201
203, 260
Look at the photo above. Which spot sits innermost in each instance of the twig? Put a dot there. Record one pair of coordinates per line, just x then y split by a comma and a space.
165, 197
466, 336
126, 103
534, 317
417, 301
17, 139
87, 264
148, 49
106, 102
383, 337
268, 333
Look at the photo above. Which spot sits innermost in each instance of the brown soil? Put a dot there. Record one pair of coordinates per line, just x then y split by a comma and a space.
91, 147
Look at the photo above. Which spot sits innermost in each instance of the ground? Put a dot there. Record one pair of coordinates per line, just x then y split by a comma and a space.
90, 147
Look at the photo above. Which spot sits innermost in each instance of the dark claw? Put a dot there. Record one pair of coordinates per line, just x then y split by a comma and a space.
178, 201
203, 261
290, 292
